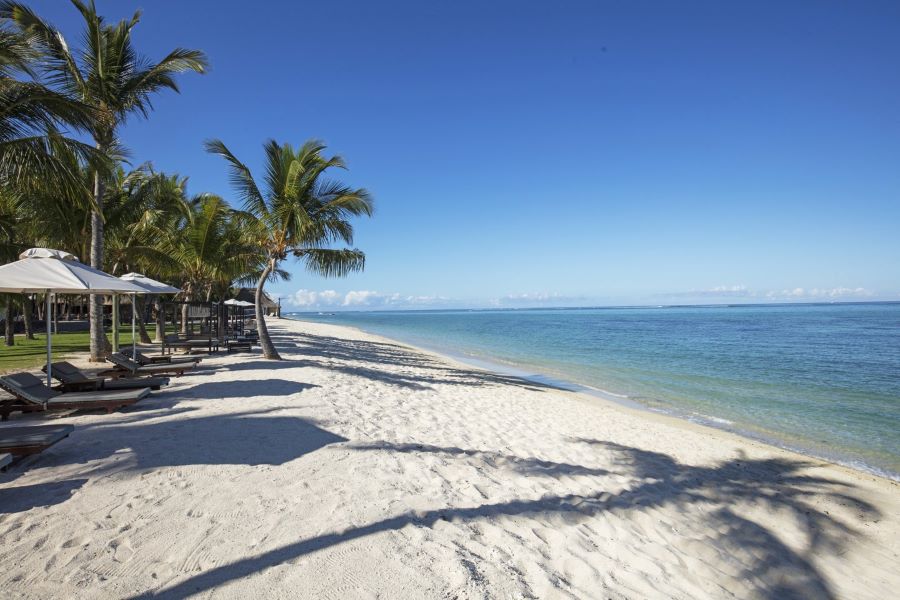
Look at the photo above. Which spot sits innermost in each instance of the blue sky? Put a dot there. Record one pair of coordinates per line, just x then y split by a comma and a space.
573, 153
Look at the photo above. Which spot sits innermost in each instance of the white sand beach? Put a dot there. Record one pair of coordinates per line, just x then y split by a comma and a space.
362, 468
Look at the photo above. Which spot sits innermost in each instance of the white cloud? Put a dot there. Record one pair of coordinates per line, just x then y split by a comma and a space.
732, 289
310, 299
364, 298
796, 293
719, 291
537, 299
821, 293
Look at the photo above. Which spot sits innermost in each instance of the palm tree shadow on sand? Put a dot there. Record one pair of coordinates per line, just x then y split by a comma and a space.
385, 362
774, 569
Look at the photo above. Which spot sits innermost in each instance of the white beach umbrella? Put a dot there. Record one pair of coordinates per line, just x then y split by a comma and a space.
151, 286
235, 302
241, 303
42, 270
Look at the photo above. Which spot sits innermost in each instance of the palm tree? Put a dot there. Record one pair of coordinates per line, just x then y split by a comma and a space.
138, 205
208, 248
110, 76
300, 212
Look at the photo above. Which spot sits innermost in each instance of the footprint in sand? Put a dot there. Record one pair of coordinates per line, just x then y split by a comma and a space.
122, 550
76, 542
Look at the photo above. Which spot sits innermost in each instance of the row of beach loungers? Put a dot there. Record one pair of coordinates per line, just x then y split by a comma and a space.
127, 382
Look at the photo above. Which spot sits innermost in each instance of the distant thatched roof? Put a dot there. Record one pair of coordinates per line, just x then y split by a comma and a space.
249, 295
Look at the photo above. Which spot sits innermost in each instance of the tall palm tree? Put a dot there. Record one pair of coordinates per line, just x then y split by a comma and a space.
297, 211
110, 76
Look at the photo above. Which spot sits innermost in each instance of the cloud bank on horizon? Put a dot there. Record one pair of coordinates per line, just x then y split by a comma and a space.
797, 293
305, 299
311, 299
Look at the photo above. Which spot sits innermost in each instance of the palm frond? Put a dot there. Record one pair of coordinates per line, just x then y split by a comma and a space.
59, 64
329, 262
241, 179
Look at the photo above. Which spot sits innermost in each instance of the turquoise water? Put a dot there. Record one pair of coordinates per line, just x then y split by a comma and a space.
823, 379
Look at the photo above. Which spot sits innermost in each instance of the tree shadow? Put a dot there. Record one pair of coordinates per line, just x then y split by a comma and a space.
524, 465
361, 358
264, 364
146, 442
142, 411
163, 400
776, 570
26, 497
331, 352
244, 389
356, 358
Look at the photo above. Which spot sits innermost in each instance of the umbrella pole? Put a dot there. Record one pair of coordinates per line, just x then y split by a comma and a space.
47, 320
133, 312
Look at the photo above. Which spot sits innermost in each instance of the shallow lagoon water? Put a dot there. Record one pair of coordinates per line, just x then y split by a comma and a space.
823, 379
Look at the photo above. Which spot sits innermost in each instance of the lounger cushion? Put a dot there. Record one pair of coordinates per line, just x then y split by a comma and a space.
130, 384
12, 438
151, 369
69, 373
167, 359
32, 389
123, 362
28, 387
101, 396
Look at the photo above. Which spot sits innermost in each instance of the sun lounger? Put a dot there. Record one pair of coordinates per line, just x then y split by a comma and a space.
73, 379
147, 360
20, 441
208, 343
32, 395
125, 367
5, 459
240, 342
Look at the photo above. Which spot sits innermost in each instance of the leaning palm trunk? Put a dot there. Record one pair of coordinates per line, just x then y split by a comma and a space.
268, 348
99, 342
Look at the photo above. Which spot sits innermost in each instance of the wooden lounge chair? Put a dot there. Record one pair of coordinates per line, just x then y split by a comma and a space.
207, 343
30, 394
146, 360
73, 379
239, 343
21, 441
125, 367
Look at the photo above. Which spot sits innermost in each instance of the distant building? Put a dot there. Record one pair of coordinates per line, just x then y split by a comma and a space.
271, 308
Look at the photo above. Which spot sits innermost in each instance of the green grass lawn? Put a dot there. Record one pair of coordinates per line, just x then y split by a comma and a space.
31, 354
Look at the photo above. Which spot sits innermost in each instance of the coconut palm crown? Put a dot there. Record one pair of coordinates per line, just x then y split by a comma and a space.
298, 211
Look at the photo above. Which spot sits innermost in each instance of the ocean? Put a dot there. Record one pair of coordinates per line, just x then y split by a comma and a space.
822, 379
